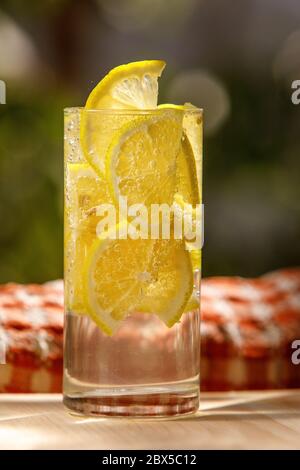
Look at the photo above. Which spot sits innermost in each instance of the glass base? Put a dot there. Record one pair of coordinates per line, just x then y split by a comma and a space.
168, 401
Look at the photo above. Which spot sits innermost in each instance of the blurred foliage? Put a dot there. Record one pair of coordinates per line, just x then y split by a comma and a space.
35, 7
251, 164
251, 182
31, 188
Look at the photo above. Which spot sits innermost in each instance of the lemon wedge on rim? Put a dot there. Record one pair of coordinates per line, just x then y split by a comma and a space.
125, 88
132, 85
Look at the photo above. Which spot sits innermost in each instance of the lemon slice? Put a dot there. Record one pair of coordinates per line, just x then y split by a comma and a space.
187, 192
147, 305
186, 173
193, 304
115, 273
169, 294
131, 86
141, 160
188, 170
85, 192
187, 185
187, 180
119, 274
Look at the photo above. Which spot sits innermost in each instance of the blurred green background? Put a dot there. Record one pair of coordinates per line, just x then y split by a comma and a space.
237, 60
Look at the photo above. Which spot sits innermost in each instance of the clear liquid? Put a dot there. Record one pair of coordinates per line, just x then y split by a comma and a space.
144, 369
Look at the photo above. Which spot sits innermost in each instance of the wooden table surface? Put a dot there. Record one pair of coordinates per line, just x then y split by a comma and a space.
236, 420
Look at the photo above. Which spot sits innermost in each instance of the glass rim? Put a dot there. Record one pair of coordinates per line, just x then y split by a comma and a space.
129, 111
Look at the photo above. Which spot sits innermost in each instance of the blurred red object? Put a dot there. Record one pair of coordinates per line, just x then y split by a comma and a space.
31, 335
247, 329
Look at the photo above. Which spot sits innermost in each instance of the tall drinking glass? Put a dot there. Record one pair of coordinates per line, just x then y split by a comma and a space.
132, 276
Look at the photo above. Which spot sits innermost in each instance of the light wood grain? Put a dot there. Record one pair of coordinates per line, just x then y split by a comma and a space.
241, 420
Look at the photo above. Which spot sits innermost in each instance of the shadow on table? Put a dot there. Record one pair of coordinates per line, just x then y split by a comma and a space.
234, 406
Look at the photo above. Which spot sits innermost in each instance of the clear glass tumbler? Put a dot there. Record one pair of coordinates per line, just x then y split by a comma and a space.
124, 352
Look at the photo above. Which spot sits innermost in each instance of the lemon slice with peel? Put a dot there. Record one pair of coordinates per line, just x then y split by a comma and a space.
132, 85
115, 273
85, 192
127, 87
187, 192
187, 183
141, 160
169, 294
186, 173
119, 274
193, 304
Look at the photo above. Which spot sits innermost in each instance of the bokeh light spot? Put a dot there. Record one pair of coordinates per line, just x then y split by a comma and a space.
204, 90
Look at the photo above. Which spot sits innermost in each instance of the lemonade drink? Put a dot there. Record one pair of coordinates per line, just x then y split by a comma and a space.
132, 249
